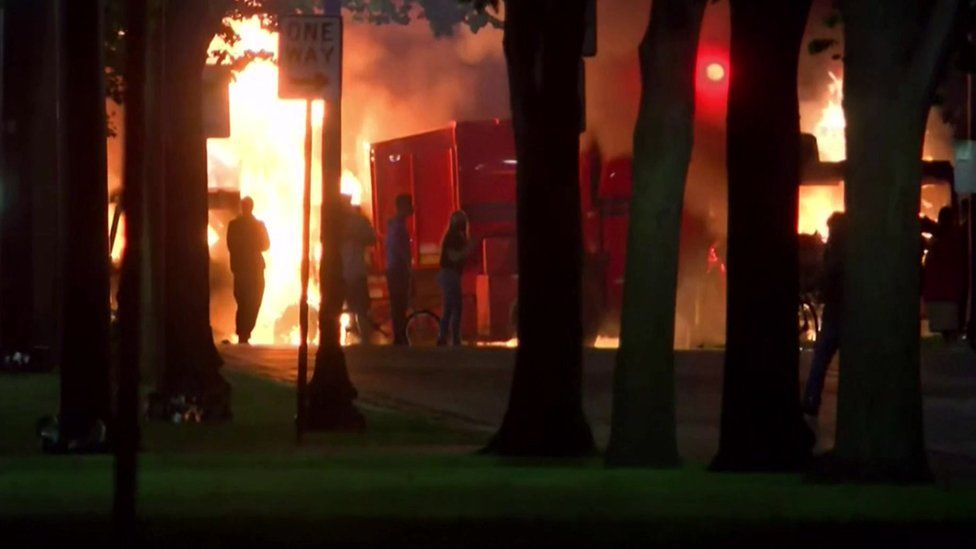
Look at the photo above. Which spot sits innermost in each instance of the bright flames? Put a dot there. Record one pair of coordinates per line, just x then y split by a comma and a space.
829, 130
266, 150
818, 202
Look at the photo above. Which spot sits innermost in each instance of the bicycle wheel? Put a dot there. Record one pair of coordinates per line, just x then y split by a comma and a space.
422, 328
808, 323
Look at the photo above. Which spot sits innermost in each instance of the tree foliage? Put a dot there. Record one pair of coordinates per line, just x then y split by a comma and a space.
443, 17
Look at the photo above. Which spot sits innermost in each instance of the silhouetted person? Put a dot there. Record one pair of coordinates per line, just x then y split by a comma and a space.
357, 236
944, 279
247, 238
455, 248
832, 294
398, 264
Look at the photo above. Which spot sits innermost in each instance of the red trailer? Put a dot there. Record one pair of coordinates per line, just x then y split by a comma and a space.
471, 166
468, 166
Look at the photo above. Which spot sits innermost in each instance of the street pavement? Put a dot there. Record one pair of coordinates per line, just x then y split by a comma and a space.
470, 385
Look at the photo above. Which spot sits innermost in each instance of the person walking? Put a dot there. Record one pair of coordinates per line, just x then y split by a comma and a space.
357, 236
832, 294
399, 260
247, 239
944, 278
455, 248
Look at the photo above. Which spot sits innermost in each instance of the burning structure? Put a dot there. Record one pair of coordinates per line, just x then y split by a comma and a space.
396, 89
388, 94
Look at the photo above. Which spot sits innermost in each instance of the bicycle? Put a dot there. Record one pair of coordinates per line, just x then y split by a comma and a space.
808, 319
423, 327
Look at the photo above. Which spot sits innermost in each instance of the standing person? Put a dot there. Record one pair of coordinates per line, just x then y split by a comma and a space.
398, 264
832, 294
455, 249
247, 238
357, 236
944, 282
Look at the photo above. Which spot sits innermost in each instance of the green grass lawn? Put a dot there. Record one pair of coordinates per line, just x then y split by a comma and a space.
414, 480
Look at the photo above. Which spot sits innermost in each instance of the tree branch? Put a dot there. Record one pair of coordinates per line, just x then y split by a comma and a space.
933, 46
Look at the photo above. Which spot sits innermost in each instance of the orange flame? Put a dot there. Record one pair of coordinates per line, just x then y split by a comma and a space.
829, 130
266, 149
817, 203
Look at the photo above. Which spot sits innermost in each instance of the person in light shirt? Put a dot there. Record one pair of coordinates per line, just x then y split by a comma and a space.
357, 235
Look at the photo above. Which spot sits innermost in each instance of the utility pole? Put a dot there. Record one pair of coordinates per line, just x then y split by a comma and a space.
331, 392
131, 292
332, 215
971, 327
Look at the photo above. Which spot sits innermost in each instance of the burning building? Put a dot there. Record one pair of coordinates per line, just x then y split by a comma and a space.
400, 82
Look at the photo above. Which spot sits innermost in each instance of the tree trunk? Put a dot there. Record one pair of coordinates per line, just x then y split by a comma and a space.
192, 361
154, 194
543, 45
85, 384
893, 55
642, 430
21, 62
131, 292
762, 428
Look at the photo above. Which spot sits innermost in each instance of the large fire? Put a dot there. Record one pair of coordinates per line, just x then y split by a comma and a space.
829, 130
818, 202
266, 152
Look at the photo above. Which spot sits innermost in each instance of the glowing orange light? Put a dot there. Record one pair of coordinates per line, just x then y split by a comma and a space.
817, 204
715, 72
213, 236
265, 151
830, 129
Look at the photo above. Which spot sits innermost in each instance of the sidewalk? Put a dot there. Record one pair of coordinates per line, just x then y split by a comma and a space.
470, 385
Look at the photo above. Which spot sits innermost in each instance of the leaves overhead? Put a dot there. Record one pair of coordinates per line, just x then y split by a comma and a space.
820, 45
832, 21
443, 17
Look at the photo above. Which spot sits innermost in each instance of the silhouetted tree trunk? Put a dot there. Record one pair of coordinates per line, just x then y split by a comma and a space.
154, 194
643, 423
131, 293
543, 45
29, 253
192, 362
894, 54
85, 383
23, 20
762, 426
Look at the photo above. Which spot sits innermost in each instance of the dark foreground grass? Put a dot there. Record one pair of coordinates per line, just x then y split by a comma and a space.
411, 480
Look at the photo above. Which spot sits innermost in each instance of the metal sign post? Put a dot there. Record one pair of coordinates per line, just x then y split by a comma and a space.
309, 68
303, 303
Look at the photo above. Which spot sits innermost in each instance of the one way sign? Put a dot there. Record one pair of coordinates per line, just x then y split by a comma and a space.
310, 57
